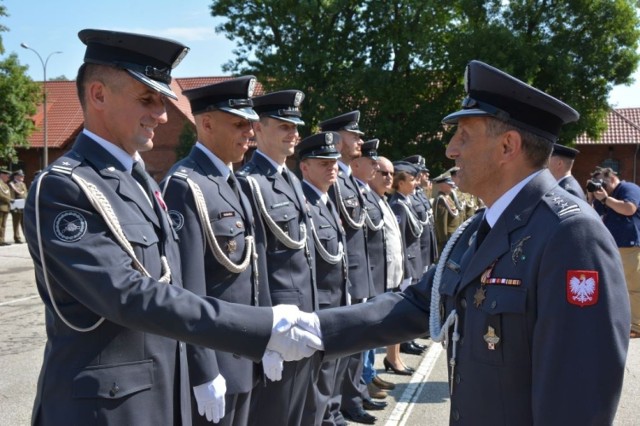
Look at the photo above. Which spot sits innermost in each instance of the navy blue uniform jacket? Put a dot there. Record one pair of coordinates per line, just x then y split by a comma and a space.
558, 362
125, 371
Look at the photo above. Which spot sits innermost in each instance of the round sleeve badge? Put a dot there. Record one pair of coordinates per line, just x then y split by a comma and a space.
69, 226
177, 220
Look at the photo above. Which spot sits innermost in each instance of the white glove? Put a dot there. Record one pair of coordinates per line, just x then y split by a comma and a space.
210, 398
272, 364
293, 343
405, 283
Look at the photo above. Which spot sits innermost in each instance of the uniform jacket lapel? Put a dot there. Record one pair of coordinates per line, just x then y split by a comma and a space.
516, 215
277, 180
212, 173
114, 175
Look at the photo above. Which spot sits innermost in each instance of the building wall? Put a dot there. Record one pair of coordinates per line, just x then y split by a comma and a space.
594, 155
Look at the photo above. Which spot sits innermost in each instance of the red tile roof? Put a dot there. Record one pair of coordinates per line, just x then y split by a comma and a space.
623, 127
64, 114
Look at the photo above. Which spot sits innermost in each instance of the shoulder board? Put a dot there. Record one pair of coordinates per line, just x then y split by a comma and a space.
183, 170
560, 204
66, 163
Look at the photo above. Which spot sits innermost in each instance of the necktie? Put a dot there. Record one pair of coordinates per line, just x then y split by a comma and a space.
285, 175
482, 232
233, 183
142, 178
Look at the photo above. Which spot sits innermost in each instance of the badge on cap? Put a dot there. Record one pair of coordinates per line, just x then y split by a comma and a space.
252, 87
328, 138
298, 99
582, 287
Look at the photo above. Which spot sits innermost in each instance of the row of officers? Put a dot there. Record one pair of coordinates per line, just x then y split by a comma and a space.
220, 297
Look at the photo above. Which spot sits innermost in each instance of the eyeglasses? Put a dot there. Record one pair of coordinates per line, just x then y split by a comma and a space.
384, 173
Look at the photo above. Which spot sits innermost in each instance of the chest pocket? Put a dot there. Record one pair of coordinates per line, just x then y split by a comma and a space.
140, 234
287, 217
501, 316
230, 232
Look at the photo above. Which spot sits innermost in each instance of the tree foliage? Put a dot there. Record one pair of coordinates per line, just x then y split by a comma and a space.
19, 96
186, 140
401, 62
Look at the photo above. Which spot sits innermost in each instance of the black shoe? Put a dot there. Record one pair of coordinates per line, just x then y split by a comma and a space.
418, 345
408, 348
407, 371
358, 415
371, 405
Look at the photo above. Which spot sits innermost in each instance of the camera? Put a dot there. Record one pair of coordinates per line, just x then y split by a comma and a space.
594, 185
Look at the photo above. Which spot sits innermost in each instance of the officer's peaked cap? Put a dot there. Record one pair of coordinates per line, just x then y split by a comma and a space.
232, 96
370, 148
347, 121
444, 178
320, 145
283, 105
494, 93
405, 166
148, 59
564, 151
419, 161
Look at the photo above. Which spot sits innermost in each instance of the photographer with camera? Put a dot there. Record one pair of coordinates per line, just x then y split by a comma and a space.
618, 204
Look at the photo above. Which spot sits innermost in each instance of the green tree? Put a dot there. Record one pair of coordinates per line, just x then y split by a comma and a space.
18, 99
186, 140
401, 62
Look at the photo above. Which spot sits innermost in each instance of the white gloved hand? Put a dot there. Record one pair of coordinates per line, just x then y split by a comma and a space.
272, 364
294, 343
405, 283
210, 398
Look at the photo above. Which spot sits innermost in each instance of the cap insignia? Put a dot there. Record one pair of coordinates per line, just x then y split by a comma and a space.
252, 87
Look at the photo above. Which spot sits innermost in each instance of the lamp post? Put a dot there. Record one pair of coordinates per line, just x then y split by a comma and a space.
45, 157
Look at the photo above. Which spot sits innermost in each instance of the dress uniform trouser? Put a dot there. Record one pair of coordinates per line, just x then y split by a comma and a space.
631, 263
3, 224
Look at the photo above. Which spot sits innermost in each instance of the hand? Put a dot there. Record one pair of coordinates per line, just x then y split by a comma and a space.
210, 398
600, 194
294, 343
272, 364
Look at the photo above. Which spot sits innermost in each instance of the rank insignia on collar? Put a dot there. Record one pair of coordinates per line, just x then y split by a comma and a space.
517, 252
582, 287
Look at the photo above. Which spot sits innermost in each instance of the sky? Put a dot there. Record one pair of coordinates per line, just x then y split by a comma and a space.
52, 25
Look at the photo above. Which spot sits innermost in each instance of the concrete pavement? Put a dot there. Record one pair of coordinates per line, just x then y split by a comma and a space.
420, 399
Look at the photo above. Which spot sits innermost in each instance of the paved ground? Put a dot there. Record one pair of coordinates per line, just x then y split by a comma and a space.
421, 399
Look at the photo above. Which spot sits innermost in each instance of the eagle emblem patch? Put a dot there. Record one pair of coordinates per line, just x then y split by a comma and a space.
582, 287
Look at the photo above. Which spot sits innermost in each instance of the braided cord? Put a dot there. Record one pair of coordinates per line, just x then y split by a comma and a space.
370, 223
353, 224
218, 253
414, 223
273, 226
324, 254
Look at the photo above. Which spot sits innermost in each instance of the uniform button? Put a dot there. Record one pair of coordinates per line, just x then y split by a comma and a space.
457, 379
461, 341
114, 389
455, 414
494, 304
286, 216
144, 238
463, 303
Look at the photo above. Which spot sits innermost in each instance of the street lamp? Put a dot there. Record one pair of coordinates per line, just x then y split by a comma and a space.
45, 157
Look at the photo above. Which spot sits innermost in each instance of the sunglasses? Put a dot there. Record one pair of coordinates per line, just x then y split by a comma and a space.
384, 173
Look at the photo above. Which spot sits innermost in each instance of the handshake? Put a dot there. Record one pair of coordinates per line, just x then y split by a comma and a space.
294, 335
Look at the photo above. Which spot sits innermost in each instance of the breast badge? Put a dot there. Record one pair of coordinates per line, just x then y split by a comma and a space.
491, 338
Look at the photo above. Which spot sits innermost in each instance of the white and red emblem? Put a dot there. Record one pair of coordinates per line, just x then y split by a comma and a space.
158, 196
582, 287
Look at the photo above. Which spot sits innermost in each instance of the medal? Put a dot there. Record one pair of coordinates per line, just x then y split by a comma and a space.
479, 296
491, 338
232, 246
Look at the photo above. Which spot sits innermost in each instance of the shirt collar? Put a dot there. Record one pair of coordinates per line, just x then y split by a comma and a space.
344, 167
121, 155
492, 214
277, 166
323, 195
224, 169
